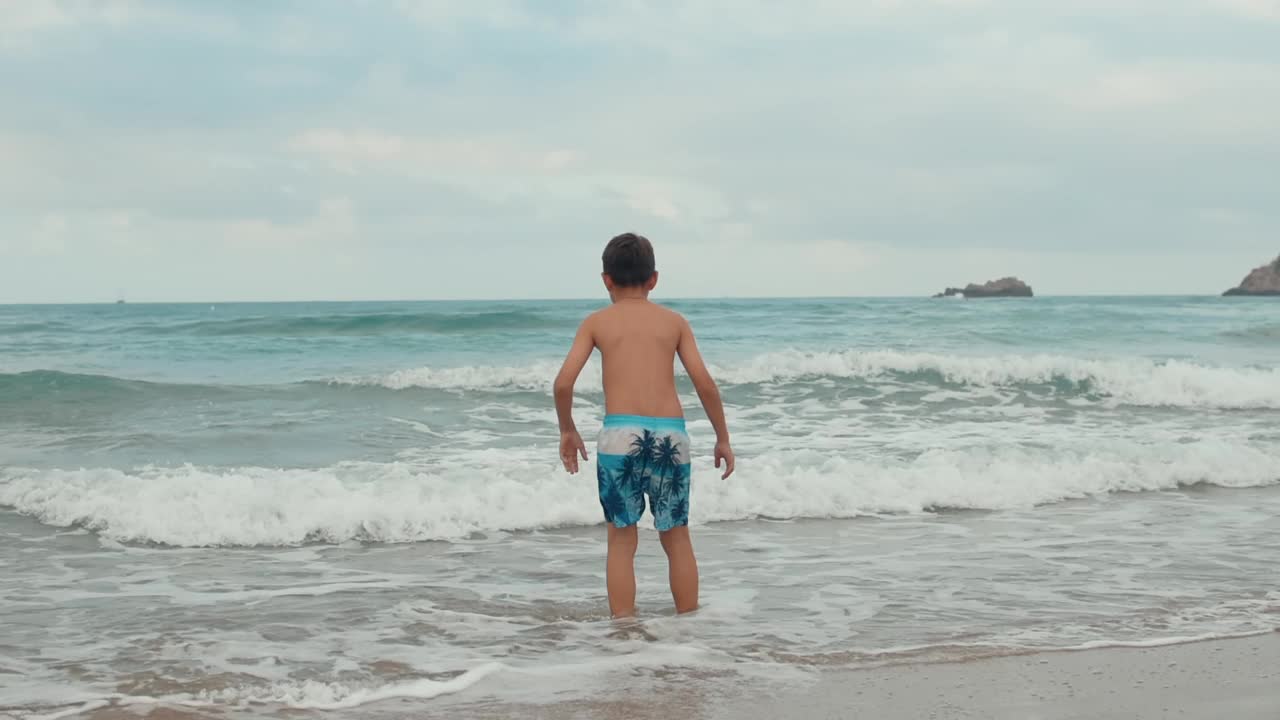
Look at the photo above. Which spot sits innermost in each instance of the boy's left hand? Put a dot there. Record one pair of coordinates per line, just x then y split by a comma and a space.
570, 447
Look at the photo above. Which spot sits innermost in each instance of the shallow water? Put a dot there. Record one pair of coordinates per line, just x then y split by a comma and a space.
315, 627
324, 507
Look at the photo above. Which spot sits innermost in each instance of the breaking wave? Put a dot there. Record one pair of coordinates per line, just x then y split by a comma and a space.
488, 491
1133, 381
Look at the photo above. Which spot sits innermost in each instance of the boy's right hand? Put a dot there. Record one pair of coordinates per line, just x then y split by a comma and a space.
725, 453
570, 447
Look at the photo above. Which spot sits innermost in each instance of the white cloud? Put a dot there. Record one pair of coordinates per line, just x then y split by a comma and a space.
333, 222
357, 150
1230, 102
30, 16
1227, 217
1256, 9
737, 262
1132, 87
448, 14
24, 23
691, 28
665, 198
656, 204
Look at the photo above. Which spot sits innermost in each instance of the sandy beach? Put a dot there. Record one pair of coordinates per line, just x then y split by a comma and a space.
1238, 679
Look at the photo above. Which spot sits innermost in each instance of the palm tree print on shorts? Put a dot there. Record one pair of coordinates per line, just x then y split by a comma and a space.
636, 463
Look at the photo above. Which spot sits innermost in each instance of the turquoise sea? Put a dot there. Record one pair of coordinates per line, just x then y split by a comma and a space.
317, 507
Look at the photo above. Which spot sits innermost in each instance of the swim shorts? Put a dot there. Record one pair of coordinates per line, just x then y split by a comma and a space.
642, 457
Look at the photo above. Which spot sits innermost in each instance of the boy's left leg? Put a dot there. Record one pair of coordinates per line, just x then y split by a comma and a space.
620, 570
682, 568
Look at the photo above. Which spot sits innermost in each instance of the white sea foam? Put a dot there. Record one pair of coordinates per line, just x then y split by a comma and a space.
315, 695
540, 682
537, 376
70, 711
1132, 381
298, 695
489, 491
1163, 641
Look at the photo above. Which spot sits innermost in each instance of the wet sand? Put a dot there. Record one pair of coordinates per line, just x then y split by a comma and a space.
1238, 679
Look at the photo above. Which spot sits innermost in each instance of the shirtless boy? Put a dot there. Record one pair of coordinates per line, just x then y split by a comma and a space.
643, 450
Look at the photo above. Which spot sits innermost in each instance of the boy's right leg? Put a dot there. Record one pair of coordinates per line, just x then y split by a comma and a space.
682, 568
620, 570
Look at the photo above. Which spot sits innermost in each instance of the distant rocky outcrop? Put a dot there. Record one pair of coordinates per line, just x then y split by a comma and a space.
1004, 287
1262, 281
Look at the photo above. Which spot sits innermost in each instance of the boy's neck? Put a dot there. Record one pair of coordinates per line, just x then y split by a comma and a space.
621, 294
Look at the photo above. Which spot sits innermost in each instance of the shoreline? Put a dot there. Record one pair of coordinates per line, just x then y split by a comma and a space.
1237, 678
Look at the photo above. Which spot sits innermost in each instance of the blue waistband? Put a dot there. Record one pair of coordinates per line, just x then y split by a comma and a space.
651, 423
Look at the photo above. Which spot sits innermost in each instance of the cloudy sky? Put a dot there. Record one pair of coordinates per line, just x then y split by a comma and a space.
488, 148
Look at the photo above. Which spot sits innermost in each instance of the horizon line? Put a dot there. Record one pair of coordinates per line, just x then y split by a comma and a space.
584, 299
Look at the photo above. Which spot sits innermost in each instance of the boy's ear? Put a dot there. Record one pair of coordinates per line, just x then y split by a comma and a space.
652, 283
608, 281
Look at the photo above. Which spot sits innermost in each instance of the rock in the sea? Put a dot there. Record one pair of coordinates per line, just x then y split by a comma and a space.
1004, 287
1262, 281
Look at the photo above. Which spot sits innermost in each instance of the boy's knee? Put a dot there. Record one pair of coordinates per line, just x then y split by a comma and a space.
675, 538
623, 537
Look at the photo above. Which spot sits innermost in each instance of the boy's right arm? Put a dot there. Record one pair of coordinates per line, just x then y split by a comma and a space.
708, 393
571, 445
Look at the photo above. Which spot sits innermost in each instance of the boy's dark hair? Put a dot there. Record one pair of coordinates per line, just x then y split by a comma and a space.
628, 260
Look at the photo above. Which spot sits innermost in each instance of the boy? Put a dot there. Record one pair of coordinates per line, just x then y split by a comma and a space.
643, 448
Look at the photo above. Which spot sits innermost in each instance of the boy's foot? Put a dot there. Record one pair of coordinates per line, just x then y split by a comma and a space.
631, 629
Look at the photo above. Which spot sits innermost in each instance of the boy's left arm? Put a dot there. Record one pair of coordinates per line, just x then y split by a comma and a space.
571, 445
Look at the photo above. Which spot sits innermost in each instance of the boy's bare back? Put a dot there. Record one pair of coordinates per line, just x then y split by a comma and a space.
638, 343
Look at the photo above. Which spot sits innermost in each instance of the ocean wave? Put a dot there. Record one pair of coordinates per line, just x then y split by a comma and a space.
398, 502
33, 327
1137, 382
39, 385
1124, 381
1132, 381
1261, 334
352, 324
536, 376
42, 387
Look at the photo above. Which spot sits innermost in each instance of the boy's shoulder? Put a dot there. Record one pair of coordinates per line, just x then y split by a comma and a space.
613, 312
672, 316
